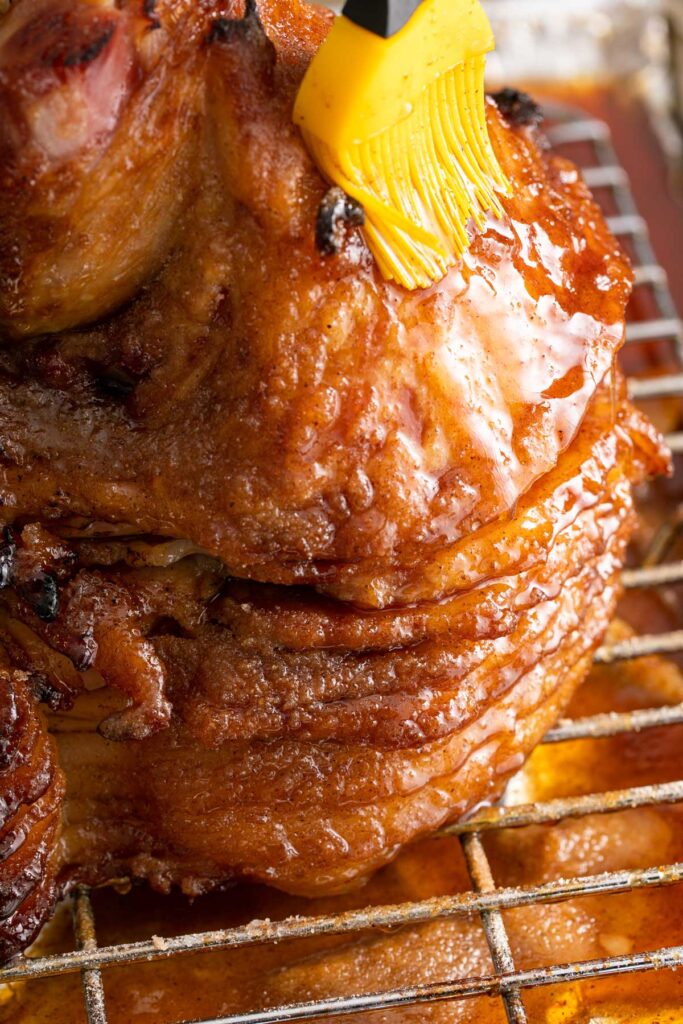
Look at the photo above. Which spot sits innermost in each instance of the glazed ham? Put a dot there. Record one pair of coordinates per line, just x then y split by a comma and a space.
301, 564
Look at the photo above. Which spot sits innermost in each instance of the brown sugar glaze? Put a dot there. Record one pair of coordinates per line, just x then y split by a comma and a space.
402, 422
211, 984
467, 503
214, 984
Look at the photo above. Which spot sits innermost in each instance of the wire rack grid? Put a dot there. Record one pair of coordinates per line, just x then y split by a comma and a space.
602, 171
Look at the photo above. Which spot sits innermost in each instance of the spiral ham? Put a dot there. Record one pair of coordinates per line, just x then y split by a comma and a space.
303, 564
32, 787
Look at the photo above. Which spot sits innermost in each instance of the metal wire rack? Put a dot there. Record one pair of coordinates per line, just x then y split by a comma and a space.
602, 172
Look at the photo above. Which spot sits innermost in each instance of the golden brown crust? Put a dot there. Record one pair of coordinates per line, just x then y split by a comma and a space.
32, 789
335, 554
308, 764
339, 430
308, 816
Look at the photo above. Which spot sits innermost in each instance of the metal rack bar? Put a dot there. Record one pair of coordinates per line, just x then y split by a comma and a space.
84, 930
258, 933
653, 274
652, 576
612, 176
627, 224
640, 647
550, 812
670, 386
485, 899
572, 131
494, 927
613, 724
654, 330
675, 442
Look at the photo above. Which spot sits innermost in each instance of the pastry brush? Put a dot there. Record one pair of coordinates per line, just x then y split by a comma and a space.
392, 110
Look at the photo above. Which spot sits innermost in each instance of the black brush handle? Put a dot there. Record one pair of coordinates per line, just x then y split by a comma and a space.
383, 17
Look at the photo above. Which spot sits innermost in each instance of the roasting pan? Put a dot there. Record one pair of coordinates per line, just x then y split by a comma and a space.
587, 140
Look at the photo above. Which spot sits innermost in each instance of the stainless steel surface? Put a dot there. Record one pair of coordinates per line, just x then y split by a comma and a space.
486, 898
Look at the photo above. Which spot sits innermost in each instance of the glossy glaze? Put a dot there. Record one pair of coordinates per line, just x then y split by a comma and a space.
446, 476
330, 423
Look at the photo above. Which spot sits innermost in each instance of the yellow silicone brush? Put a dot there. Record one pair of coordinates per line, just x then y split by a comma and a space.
392, 110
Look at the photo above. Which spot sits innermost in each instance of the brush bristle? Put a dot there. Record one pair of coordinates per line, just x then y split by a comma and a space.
423, 180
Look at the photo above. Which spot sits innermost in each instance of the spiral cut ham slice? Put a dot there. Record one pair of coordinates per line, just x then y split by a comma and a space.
32, 787
302, 565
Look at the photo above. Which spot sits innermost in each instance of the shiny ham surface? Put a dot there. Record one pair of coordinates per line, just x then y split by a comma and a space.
303, 565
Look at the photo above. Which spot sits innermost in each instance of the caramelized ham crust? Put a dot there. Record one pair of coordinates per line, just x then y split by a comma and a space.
32, 788
294, 415
304, 564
